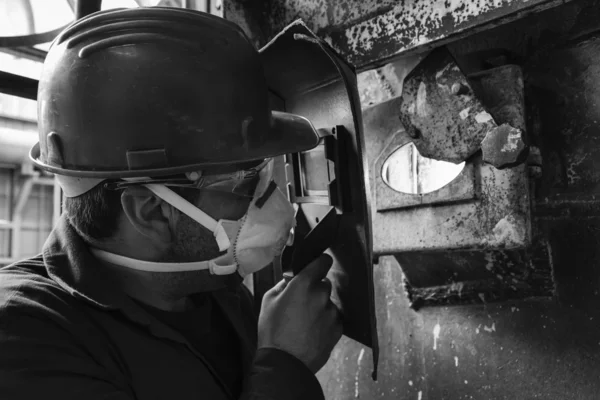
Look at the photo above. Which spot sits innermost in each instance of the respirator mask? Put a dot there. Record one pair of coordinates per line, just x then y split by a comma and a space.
250, 243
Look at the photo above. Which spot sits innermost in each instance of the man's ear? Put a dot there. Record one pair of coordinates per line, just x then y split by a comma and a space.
148, 214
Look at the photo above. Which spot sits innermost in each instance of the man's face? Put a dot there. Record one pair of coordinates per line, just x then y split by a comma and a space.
192, 241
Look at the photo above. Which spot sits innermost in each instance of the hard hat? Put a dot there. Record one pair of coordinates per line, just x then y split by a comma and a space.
157, 91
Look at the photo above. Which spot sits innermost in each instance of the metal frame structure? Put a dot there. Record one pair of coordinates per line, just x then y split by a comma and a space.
15, 224
372, 33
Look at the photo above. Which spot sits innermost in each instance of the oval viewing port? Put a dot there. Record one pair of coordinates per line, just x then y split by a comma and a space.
407, 171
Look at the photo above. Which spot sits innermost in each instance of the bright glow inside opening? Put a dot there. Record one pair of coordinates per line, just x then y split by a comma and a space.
407, 171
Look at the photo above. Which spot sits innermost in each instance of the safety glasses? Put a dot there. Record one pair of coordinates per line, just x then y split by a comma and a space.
246, 183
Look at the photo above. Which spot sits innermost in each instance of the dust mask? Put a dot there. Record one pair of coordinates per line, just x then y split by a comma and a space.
250, 243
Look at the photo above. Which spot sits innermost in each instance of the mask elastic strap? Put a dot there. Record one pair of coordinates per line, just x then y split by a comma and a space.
150, 266
193, 212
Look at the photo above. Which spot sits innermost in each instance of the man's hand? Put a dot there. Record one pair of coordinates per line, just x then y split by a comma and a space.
299, 317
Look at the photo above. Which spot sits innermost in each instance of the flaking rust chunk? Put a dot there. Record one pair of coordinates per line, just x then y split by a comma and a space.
440, 111
503, 147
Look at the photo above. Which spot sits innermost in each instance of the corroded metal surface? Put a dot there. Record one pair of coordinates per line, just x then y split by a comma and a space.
501, 90
504, 147
371, 32
499, 219
535, 349
466, 277
380, 123
491, 211
525, 349
440, 111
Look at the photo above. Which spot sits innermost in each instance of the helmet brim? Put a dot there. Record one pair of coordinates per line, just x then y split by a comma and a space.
288, 133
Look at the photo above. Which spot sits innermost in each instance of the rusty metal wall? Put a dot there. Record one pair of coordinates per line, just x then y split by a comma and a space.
370, 32
540, 347
535, 347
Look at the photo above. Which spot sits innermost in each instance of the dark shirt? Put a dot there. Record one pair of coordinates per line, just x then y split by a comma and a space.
207, 329
67, 332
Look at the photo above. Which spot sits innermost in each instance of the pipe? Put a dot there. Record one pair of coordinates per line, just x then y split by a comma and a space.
15, 251
30, 53
17, 85
17, 221
86, 7
15, 145
56, 203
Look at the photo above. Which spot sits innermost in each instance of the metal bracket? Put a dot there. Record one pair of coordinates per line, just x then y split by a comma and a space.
320, 175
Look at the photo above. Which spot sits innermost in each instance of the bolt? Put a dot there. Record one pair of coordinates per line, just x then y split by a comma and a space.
193, 176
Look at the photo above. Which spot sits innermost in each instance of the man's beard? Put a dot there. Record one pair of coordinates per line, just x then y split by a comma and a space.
192, 242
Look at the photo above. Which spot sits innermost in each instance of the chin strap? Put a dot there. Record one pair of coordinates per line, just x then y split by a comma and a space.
150, 266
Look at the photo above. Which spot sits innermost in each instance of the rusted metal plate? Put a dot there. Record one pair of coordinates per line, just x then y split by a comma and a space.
499, 219
546, 348
440, 111
370, 33
467, 277
383, 127
504, 147
494, 214
543, 348
501, 90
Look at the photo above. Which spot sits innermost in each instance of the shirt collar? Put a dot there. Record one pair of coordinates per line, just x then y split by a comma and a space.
70, 264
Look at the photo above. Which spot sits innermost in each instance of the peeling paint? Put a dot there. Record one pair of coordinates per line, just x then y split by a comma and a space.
436, 335
367, 31
483, 117
422, 107
358, 369
508, 231
464, 113
447, 126
514, 138
411, 108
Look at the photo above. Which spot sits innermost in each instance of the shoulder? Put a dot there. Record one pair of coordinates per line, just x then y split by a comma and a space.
26, 285
48, 346
26, 290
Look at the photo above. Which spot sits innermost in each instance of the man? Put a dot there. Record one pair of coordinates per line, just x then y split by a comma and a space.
157, 126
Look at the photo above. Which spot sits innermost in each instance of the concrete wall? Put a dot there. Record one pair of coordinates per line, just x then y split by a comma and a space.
546, 348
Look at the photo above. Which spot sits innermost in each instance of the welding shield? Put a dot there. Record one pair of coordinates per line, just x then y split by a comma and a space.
330, 182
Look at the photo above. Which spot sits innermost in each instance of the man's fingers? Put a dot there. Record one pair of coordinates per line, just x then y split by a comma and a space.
317, 270
275, 290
